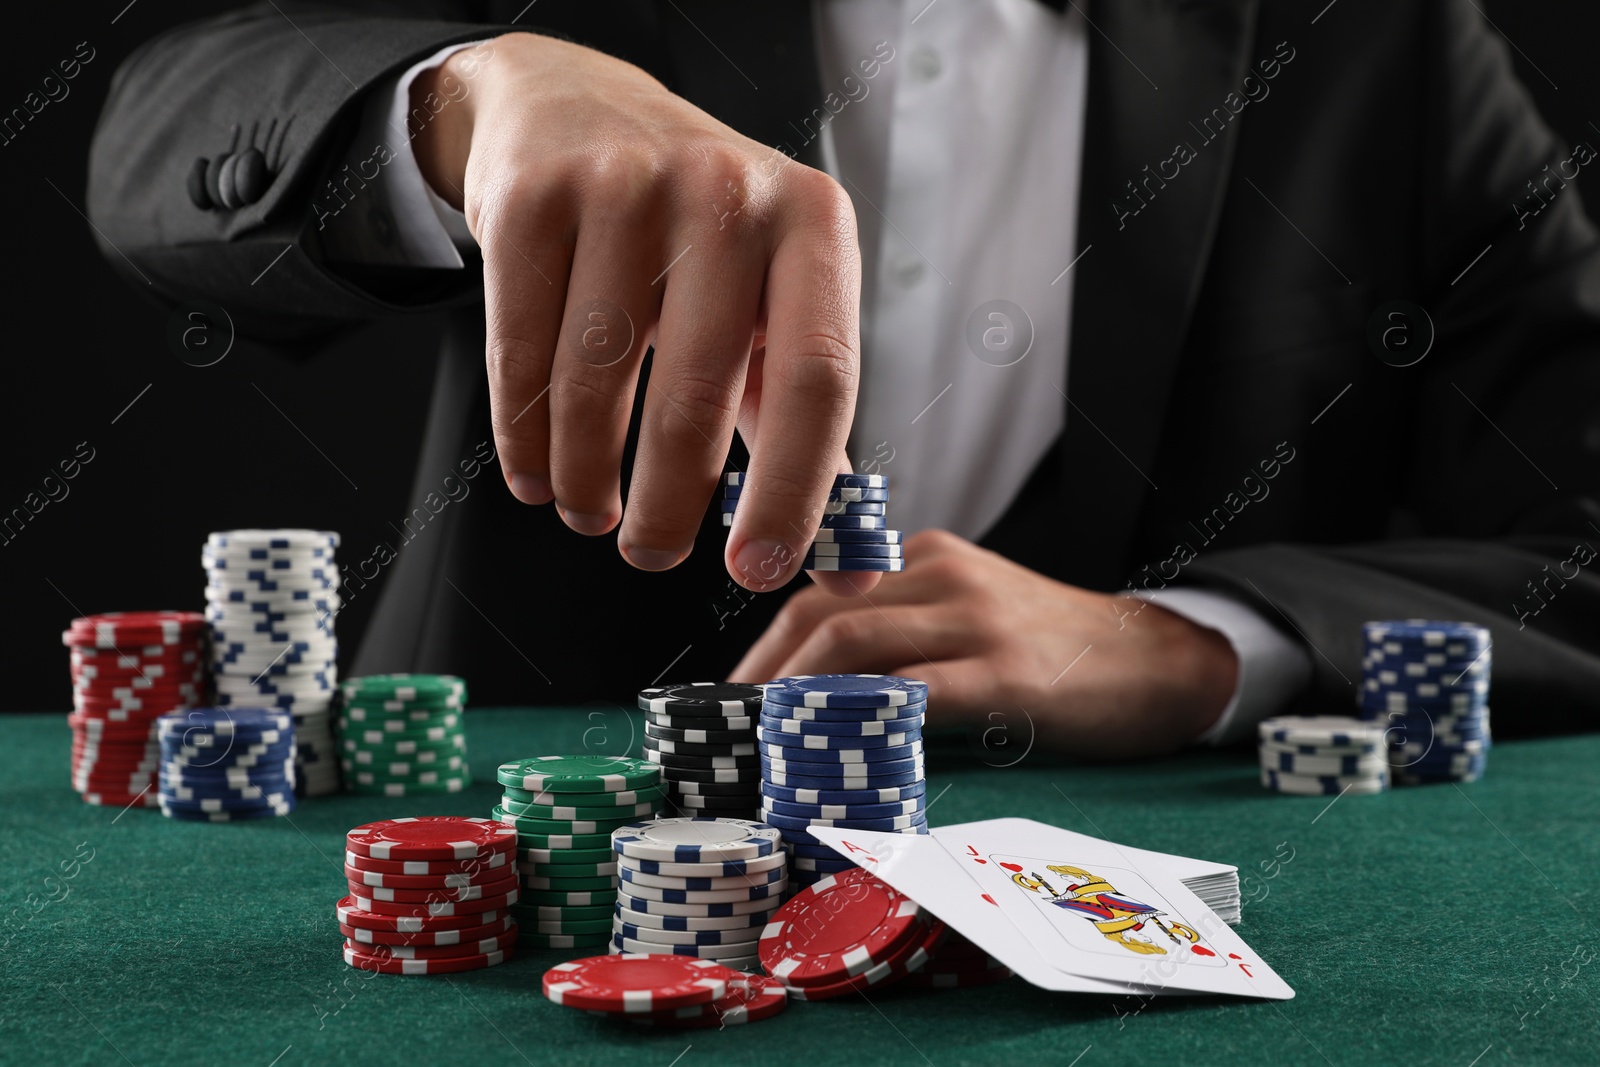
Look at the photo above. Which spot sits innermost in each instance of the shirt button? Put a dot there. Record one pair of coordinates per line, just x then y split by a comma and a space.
908, 271
926, 64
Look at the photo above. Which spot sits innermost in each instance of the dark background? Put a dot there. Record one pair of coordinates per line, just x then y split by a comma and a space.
204, 448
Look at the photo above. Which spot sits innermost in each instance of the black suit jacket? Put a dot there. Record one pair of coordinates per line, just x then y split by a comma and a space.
1229, 423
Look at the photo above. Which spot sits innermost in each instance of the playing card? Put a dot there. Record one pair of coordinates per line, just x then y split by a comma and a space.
1097, 909
919, 867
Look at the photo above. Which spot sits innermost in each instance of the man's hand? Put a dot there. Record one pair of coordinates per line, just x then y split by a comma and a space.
613, 215
1099, 676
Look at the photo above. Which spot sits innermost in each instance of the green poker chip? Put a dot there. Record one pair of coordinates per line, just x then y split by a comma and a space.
568, 885
573, 926
586, 827
540, 857
537, 940
579, 774
641, 810
560, 913
409, 689
570, 870
560, 842
409, 789
622, 798
571, 898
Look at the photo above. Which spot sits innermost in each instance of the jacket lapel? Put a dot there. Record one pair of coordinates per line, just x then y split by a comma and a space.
1156, 69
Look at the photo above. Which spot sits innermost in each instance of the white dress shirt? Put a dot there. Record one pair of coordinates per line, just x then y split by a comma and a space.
962, 155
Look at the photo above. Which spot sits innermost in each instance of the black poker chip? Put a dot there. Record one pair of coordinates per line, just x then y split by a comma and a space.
700, 762
720, 805
676, 784
698, 736
744, 747
717, 699
744, 776
703, 722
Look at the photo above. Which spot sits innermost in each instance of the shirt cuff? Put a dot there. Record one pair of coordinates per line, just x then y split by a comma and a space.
418, 229
1273, 669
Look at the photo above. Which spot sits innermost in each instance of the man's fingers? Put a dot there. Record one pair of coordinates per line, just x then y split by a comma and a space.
809, 378
809, 608
870, 640
525, 277
961, 691
610, 313
708, 315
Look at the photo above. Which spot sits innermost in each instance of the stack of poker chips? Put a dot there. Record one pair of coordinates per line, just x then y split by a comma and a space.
1323, 755
1428, 684
670, 992
563, 810
885, 936
226, 764
703, 736
957, 963
429, 895
853, 535
699, 887
128, 669
271, 598
402, 735
841, 750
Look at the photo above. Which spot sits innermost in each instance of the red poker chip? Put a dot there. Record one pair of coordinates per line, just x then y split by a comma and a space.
633, 984
179, 653
351, 914
750, 997
149, 799
911, 958
434, 909
491, 862
101, 728
116, 630
457, 880
840, 926
483, 947
389, 964
433, 837
426, 938
452, 895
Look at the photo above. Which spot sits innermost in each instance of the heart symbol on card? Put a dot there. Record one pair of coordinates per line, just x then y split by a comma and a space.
979, 859
1201, 950
1012, 867
991, 900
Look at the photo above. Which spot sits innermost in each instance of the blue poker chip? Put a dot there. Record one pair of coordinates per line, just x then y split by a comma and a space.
281, 802
892, 794
860, 775
876, 781
856, 549
851, 563
723, 910
846, 691
191, 815
829, 508
846, 493
789, 711
1331, 730
1424, 631
782, 754
270, 780
817, 742
822, 866
854, 522
751, 878
797, 851
800, 822
840, 481
801, 838
737, 936
856, 728
871, 536
891, 810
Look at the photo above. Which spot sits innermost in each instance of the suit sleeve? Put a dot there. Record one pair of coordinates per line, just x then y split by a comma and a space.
1504, 445
292, 78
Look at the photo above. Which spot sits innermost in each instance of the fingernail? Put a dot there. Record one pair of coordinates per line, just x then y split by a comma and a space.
653, 559
585, 523
531, 489
760, 564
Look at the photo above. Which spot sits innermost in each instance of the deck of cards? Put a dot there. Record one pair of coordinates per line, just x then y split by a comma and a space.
1074, 913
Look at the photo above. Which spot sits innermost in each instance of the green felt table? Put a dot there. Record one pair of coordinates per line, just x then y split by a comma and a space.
1431, 925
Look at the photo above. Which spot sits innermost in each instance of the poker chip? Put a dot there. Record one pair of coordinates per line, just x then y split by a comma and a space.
843, 715
888, 810
628, 873
432, 937
404, 735
429, 887
387, 963
736, 895
226, 763
853, 549
481, 947
702, 700
350, 913
852, 515
846, 691
851, 563
127, 670
1323, 785
1426, 684
1320, 730
840, 481
695, 840
698, 910
577, 774
858, 742
732, 942
636, 983
847, 931
740, 950
436, 837
682, 924
786, 757
775, 725
912, 775
563, 809
750, 998
689, 761
434, 908
271, 602
891, 794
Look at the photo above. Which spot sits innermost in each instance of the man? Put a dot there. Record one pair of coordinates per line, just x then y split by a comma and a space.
1209, 210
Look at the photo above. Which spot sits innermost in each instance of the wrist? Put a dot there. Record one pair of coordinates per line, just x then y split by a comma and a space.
1205, 670
441, 118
